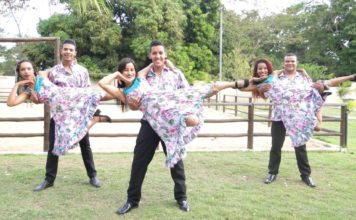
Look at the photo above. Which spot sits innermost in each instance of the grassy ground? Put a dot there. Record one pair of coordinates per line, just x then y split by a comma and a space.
226, 185
351, 127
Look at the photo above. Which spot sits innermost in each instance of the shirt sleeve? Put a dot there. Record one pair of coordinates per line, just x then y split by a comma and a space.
86, 79
50, 75
182, 81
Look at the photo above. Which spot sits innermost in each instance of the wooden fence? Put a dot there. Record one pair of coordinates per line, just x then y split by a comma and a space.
250, 118
56, 54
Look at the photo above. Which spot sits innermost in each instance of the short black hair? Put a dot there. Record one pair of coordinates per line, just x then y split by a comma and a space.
70, 41
155, 43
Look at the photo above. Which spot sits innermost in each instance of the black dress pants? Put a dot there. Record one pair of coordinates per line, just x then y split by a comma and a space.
278, 132
52, 160
146, 144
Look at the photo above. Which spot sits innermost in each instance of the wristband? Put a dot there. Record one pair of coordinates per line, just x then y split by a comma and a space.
246, 83
325, 84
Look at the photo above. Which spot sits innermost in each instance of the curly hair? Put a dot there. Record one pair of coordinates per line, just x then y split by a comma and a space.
269, 65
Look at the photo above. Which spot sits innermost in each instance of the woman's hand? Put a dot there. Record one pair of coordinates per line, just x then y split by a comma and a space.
258, 79
319, 86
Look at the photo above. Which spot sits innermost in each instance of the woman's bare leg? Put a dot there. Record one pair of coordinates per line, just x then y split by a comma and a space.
319, 117
93, 121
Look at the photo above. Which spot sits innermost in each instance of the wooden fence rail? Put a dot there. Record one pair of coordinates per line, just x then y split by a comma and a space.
250, 133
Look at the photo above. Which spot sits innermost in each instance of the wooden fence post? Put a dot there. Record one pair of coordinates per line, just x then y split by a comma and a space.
235, 105
250, 126
224, 100
343, 126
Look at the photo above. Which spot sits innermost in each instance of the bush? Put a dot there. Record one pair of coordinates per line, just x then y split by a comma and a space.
351, 105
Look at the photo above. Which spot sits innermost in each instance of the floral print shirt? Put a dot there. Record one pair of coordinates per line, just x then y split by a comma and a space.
168, 80
294, 90
78, 78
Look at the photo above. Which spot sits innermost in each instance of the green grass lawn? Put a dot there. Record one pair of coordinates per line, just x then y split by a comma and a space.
351, 127
221, 185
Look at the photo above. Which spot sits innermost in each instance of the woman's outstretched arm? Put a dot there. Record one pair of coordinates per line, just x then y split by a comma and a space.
338, 80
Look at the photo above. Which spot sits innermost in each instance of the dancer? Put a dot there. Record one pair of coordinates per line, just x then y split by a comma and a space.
176, 116
73, 108
296, 103
308, 96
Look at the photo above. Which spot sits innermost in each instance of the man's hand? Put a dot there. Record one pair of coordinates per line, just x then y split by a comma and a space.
264, 88
33, 97
134, 104
169, 64
319, 86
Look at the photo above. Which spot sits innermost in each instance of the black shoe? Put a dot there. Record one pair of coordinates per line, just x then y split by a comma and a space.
126, 208
102, 118
270, 178
94, 181
308, 180
325, 94
44, 185
97, 112
184, 206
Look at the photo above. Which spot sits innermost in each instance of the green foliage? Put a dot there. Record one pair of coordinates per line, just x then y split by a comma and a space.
316, 72
11, 57
323, 36
96, 36
351, 105
344, 88
41, 54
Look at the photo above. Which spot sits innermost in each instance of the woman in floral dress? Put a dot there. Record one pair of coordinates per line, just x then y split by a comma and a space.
176, 116
300, 105
73, 109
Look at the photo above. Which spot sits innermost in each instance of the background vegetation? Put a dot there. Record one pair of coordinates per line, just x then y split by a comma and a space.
323, 36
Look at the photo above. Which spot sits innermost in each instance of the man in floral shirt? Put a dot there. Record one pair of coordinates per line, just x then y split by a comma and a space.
160, 77
68, 74
294, 79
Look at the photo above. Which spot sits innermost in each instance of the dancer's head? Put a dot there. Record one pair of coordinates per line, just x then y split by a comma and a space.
69, 51
290, 63
157, 54
127, 68
262, 68
25, 70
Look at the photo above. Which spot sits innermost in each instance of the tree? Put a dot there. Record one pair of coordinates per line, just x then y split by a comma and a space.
14, 9
84, 6
97, 39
